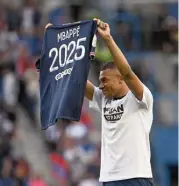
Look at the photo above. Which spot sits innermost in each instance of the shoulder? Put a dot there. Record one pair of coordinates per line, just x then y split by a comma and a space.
147, 98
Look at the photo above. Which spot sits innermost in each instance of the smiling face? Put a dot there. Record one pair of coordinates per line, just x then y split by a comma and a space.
110, 82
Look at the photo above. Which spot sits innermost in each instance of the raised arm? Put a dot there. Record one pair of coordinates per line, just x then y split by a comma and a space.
89, 91
132, 81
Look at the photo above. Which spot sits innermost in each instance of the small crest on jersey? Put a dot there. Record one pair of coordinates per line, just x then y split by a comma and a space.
92, 55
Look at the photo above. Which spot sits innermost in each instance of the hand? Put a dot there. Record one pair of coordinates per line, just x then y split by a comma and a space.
103, 29
47, 25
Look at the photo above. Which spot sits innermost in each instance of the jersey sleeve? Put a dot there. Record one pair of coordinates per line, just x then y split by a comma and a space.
37, 65
94, 41
147, 99
96, 102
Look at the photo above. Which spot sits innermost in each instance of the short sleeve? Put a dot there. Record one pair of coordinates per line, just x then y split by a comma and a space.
147, 99
96, 102
38, 61
37, 65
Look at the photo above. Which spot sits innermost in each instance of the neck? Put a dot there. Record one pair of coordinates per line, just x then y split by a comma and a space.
122, 92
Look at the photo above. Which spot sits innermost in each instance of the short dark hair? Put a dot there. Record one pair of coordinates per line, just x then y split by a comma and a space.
108, 65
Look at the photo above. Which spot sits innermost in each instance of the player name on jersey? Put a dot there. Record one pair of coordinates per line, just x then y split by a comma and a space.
73, 32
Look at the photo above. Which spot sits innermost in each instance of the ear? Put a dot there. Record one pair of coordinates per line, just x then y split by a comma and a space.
121, 79
119, 76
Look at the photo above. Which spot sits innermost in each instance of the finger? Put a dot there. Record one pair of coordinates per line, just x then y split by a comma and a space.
49, 24
102, 25
106, 25
97, 21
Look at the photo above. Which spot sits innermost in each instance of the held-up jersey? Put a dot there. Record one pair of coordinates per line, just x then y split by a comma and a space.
64, 67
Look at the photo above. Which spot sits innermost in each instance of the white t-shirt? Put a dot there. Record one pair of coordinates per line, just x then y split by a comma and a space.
126, 124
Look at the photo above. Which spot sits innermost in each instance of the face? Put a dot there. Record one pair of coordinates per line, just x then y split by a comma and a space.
110, 82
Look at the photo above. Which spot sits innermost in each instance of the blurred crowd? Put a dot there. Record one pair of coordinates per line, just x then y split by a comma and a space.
74, 151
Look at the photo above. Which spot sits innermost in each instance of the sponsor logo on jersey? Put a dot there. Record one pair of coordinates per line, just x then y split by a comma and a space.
64, 73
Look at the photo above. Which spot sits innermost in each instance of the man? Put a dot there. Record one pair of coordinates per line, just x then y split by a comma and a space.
126, 107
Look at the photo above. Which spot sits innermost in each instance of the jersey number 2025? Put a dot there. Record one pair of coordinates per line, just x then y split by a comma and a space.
76, 48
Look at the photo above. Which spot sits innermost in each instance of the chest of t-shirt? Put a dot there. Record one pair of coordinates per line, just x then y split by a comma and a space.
117, 113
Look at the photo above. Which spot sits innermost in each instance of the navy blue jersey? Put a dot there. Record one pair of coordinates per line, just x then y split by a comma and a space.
129, 182
64, 67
